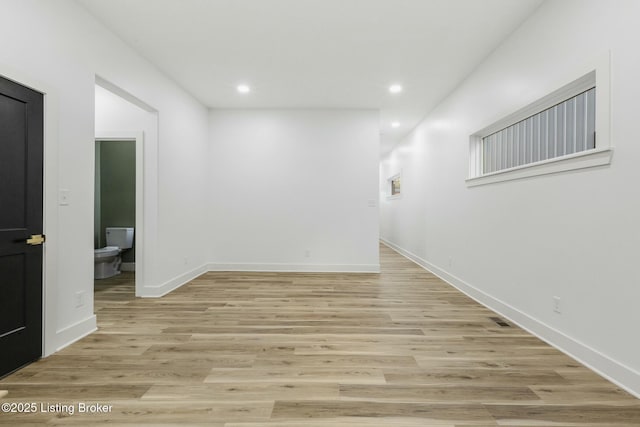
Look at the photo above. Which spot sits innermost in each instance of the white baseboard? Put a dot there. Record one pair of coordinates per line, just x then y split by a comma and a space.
128, 266
77, 331
297, 268
612, 370
170, 285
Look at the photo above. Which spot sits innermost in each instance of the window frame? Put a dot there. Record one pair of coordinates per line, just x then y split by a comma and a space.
597, 77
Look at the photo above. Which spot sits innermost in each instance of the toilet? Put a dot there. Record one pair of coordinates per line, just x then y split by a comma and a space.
107, 260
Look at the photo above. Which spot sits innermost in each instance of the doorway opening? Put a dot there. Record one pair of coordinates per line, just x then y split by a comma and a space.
123, 121
117, 202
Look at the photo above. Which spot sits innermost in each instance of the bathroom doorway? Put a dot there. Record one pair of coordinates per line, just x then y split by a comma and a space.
117, 203
121, 117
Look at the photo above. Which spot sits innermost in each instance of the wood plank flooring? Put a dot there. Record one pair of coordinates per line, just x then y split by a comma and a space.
399, 349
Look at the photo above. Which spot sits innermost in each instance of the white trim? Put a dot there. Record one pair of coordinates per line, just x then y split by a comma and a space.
76, 332
580, 160
612, 370
295, 268
173, 284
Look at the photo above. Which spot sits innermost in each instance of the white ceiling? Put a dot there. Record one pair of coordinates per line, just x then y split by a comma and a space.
317, 53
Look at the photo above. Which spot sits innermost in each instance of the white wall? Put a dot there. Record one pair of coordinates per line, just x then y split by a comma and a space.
284, 182
515, 245
58, 48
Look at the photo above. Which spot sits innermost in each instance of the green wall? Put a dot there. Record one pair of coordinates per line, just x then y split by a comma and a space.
115, 204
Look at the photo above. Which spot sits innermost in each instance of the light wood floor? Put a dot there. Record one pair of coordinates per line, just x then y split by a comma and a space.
244, 350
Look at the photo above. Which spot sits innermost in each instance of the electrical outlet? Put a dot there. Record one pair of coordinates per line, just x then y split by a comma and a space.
307, 253
186, 260
79, 299
450, 262
556, 305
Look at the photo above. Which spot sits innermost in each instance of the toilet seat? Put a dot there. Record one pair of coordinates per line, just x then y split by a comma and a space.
107, 251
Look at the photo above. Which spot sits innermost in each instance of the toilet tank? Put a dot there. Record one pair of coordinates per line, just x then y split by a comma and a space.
121, 237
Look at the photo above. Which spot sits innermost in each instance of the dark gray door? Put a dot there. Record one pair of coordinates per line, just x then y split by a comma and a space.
21, 153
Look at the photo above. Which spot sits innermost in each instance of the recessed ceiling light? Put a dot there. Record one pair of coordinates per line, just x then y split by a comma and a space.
395, 88
243, 88
395, 124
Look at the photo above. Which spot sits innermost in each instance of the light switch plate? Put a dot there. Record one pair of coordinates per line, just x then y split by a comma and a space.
63, 197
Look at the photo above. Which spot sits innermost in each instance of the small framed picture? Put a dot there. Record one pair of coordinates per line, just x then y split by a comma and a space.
394, 186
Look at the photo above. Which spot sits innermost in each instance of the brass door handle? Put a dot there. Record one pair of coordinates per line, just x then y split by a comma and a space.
36, 239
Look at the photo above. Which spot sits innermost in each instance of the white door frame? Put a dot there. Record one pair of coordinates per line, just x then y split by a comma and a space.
50, 202
138, 139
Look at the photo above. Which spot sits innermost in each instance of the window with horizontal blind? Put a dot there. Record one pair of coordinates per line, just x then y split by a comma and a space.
565, 130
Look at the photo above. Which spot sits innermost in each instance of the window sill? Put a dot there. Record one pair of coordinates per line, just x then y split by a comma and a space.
581, 160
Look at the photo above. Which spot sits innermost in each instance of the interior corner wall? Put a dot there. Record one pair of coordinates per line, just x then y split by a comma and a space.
58, 48
516, 245
294, 190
